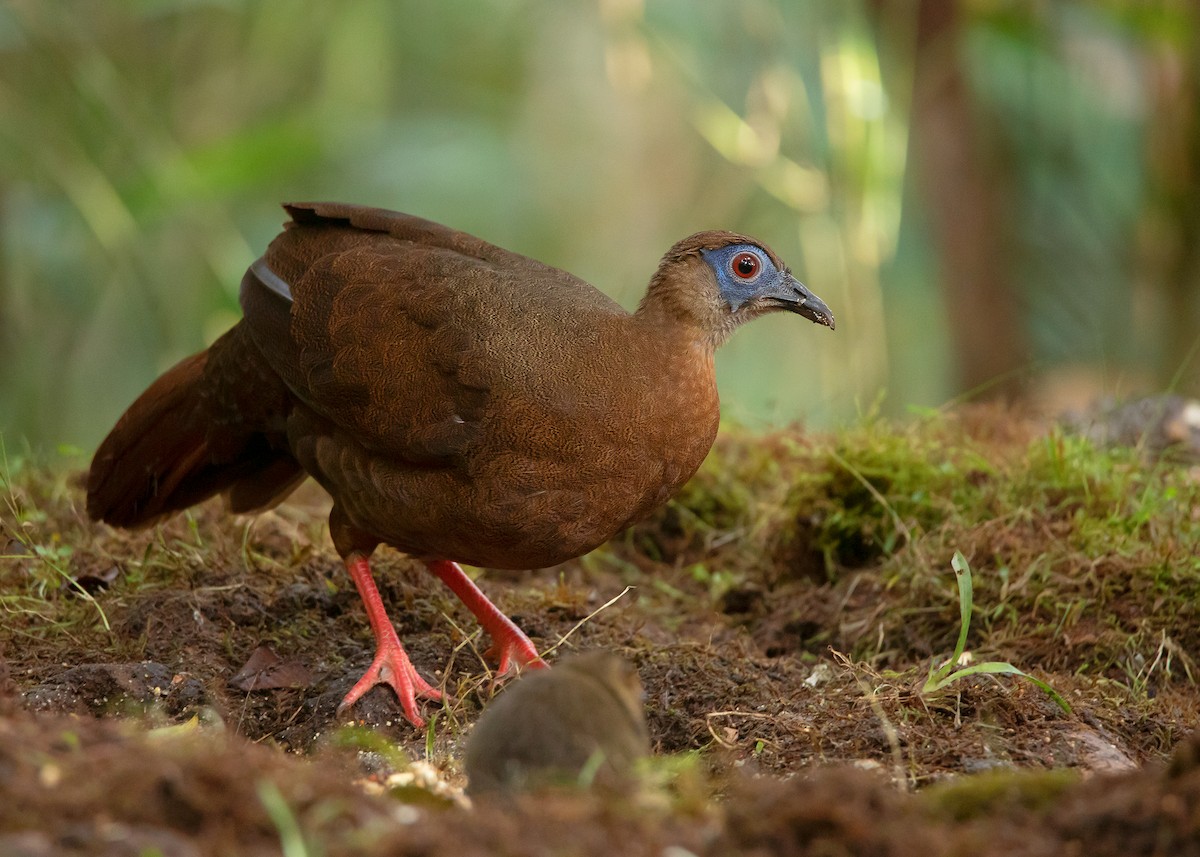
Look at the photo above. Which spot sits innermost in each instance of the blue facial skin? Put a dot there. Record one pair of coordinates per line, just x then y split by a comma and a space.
734, 289
776, 288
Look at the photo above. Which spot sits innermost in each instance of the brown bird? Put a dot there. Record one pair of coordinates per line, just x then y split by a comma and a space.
460, 402
584, 717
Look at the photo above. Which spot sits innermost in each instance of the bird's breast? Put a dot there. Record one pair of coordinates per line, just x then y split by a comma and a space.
570, 478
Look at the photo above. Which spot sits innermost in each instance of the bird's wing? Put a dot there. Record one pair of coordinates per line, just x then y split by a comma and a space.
396, 328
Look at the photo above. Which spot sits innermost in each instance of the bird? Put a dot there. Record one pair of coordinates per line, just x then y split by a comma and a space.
580, 723
461, 403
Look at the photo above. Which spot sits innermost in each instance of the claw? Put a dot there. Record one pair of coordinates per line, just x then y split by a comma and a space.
516, 654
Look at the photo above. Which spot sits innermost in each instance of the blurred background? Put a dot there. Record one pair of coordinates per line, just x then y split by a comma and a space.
995, 198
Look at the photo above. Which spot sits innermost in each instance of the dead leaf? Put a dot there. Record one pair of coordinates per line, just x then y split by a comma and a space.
265, 670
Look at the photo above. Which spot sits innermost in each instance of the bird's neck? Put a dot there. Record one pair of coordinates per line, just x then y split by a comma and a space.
678, 313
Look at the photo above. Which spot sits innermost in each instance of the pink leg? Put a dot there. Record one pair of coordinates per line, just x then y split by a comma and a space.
391, 665
509, 642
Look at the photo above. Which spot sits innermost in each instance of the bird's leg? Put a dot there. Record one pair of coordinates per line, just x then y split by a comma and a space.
391, 665
509, 642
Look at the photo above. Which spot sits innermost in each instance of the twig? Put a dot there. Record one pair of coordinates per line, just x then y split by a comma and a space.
609, 603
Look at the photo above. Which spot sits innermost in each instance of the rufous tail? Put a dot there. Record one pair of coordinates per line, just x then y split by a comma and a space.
167, 453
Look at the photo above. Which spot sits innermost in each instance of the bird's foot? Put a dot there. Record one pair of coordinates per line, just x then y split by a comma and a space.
510, 647
509, 644
391, 665
393, 668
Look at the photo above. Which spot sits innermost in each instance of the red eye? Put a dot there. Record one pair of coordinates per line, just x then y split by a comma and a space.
745, 266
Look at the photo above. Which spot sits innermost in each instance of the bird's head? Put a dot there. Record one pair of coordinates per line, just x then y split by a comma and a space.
720, 280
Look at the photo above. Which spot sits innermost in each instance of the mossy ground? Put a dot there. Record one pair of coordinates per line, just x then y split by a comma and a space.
786, 609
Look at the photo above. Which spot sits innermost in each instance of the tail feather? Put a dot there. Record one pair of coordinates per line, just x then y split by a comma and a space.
166, 454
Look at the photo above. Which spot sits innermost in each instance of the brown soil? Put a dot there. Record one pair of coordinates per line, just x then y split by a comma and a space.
202, 720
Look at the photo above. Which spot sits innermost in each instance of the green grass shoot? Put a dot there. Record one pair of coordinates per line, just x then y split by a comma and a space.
940, 677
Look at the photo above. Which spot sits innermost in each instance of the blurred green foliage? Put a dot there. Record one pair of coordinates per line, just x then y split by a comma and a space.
145, 146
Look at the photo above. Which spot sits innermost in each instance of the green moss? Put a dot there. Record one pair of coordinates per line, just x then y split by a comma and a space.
1084, 556
987, 793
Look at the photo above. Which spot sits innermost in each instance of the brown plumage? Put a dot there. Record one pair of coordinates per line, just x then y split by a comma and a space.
460, 402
